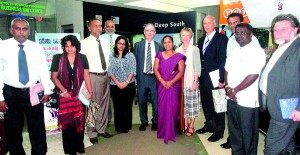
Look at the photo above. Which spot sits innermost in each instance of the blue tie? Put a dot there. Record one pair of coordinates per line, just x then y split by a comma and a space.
23, 69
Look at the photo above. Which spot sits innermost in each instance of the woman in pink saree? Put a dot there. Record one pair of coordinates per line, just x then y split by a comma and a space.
168, 69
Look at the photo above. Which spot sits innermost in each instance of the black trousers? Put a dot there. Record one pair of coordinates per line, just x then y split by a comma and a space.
243, 129
18, 103
123, 100
213, 120
72, 140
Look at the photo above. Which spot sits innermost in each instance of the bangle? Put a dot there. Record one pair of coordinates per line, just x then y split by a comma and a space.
228, 90
62, 94
127, 81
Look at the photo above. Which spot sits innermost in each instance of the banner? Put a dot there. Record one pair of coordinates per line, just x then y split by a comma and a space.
51, 44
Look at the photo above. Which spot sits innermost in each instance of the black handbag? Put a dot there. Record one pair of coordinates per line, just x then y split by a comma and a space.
53, 101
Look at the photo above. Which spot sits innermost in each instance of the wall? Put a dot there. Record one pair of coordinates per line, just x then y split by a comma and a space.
69, 12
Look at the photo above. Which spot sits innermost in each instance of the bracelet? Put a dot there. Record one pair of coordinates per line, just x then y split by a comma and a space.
62, 94
228, 90
127, 81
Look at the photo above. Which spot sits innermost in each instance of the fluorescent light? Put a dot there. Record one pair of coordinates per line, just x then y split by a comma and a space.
108, 0
154, 5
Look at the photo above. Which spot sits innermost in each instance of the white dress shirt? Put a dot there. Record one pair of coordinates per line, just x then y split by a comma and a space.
244, 61
107, 37
232, 44
90, 47
210, 36
153, 54
36, 62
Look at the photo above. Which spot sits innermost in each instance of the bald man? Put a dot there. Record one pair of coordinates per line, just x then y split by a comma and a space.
212, 48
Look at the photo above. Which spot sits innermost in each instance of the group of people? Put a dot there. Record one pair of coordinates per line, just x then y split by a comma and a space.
109, 69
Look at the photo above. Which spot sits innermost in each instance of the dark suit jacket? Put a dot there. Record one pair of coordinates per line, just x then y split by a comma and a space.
139, 53
283, 81
214, 58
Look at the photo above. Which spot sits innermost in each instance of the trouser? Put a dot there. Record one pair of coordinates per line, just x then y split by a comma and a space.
123, 99
243, 129
213, 121
18, 103
72, 140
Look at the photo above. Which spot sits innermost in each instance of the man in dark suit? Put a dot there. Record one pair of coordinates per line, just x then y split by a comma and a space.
280, 81
145, 52
213, 56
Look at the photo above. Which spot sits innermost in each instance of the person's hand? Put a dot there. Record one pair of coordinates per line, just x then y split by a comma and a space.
90, 96
66, 95
3, 106
195, 85
164, 83
45, 98
169, 84
220, 85
231, 94
122, 85
295, 115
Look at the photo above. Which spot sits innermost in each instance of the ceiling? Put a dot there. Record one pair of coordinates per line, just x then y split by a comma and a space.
161, 6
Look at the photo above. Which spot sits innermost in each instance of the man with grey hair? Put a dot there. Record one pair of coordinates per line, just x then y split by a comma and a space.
23, 64
213, 56
145, 52
279, 83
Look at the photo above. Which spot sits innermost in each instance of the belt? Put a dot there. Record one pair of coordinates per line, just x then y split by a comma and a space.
150, 74
101, 74
20, 89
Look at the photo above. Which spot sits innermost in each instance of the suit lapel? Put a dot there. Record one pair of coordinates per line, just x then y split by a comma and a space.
214, 38
156, 47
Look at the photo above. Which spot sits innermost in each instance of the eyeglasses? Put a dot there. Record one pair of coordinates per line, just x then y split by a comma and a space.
21, 29
123, 44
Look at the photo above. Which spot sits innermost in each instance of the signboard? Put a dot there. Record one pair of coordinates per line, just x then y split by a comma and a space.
22, 8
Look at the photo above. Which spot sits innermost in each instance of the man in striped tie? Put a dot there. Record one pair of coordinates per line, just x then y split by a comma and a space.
145, 52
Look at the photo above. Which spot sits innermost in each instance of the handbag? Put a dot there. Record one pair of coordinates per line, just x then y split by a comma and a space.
91, 114
36, 93
53, 100
220, 101
3, 143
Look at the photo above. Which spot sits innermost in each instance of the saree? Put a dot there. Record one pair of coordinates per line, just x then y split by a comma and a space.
168, 99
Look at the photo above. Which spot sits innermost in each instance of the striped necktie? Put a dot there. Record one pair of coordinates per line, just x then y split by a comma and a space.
23, 69
148, 60
205, 44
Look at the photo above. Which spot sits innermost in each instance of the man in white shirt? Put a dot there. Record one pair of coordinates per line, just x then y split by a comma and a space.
97, 53
279, 81
111, 37
241, 73
23, 64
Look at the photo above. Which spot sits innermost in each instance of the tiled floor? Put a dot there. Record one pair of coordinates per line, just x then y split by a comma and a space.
55, 141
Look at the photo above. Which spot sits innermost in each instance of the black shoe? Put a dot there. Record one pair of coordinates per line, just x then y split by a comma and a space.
214, 138
154, 127
203, 130
226, 145
143, 127
105, 135
94, 140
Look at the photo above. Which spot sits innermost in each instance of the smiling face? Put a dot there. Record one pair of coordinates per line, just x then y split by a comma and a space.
69, 48
185, 37
284, 32
20, 31
243, 36
149, 32
168, 44
121, 44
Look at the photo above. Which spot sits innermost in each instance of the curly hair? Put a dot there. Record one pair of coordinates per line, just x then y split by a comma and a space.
126, 49
289, 17
74, 41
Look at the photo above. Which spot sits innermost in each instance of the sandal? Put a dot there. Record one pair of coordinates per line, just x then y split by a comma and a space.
186, 128
190, 133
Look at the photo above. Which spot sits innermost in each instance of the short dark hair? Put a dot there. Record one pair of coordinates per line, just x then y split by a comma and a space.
234, 14
167, 36
91, 20
74, 41
289, 17
126, 49
248, 26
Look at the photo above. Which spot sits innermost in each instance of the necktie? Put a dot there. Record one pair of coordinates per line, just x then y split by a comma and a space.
111, 44
23, 69
102, 58
148, 60
205, 44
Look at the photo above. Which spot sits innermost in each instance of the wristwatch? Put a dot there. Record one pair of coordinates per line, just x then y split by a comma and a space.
232, 90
